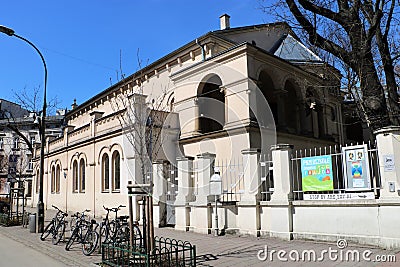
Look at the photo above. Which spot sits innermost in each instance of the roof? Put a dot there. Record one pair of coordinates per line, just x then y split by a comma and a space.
281, 45
292, 50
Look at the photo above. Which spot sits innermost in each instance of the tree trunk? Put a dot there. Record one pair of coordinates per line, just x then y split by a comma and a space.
373, 94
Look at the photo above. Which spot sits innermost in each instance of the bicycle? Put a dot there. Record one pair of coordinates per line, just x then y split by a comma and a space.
117, 230
107, 227
84, 232
56, 227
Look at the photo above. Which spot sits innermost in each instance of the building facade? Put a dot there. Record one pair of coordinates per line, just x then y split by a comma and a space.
224, 98
19, 137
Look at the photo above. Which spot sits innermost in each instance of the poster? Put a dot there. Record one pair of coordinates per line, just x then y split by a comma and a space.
316, 173
356, 168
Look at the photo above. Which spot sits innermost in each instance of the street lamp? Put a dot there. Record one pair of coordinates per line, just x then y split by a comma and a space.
42, 129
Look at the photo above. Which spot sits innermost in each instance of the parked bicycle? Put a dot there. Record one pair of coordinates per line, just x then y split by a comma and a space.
85, 233
56, 227
117, 230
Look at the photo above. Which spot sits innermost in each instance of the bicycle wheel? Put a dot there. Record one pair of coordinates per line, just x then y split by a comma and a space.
104, 235
89, 244
72, 225
72, 239
58, 233
137, 238
112, 228
122, 235
48, 230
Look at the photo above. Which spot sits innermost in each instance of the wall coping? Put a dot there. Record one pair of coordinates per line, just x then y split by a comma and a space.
206, 155
251, 151
282, 147
387, 130
184, 158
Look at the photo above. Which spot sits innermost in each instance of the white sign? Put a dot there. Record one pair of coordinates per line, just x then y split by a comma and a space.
340, 196
356, 168
388, 161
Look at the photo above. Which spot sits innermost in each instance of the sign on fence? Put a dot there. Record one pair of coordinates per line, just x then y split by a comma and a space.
388, 163
340, 196
356, 168
316, 173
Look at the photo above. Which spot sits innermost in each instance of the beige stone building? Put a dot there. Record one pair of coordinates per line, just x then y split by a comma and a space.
229, 93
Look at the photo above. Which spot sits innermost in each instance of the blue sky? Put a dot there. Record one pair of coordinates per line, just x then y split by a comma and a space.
81, 40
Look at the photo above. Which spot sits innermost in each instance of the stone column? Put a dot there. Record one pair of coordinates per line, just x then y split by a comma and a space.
159, 193
280, 208
205, 163
184, 194
200, 216
283, 180
388, 142
251, 176
248, 212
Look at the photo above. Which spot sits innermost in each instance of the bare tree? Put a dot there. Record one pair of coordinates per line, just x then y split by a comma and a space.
142, 119
31, 100
363, 35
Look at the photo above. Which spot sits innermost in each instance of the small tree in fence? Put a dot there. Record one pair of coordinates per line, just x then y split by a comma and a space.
142, 119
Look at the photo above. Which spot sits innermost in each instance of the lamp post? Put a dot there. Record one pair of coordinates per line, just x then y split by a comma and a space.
42, 129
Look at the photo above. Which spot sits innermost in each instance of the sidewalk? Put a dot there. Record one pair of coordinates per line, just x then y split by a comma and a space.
218, 251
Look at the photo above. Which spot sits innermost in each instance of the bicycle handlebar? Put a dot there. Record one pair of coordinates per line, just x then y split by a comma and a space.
62, 212
114, 209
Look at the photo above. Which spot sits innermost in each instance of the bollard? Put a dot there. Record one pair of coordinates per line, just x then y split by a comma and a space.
32, 223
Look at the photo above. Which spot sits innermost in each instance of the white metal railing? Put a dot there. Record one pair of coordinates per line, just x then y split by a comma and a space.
338, 169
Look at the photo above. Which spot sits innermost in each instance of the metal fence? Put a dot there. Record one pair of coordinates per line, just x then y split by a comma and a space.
11, 213
267, 177
338, 169
167, 252
232, 176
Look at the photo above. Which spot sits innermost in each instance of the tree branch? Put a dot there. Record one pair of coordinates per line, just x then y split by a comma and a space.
314, 37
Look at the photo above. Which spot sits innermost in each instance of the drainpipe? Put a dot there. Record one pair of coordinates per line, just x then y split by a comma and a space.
203, 54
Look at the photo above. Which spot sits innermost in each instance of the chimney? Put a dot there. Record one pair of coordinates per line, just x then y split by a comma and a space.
74, 105
224, 22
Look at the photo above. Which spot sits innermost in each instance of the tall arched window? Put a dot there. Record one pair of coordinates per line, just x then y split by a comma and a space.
53, 179
105, 169
211, 105
291, 107
267, 88
116, 171
82, 181
58, 181
75, 182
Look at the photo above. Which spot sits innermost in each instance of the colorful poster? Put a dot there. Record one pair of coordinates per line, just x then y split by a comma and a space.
356, 168
316, 173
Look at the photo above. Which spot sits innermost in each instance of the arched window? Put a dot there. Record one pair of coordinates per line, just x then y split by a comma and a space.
211, 105
75, 182
58, 181
314, 114
53, 179
82, 181
105, 169
291, 107
116, 172
267, 88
